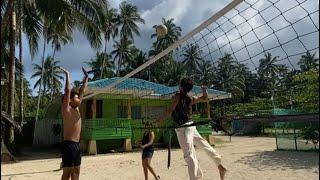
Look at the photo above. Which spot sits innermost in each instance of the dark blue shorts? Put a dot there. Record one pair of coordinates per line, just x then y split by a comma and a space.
147, 154
71, 154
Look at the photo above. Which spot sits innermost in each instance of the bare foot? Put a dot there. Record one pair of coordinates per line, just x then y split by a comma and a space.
222, 171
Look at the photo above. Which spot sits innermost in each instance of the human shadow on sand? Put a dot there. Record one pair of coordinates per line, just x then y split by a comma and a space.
281, 159
27, 173
30, 153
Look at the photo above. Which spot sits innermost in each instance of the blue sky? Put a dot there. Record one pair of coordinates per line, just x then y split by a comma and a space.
187, 14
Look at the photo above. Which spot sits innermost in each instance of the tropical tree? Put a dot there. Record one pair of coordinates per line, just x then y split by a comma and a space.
110, 30
192, 58
57, 39
230, 77
172, 73
161, 43
49, 64
128, 20
138, 58
98, 70
306, 91
308, 62
269, 73
173, 34
205, 73
122, 52
61, 17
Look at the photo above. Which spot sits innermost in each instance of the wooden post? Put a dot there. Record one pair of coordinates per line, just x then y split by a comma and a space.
94, 108
127, 145
129, 109
208, 109
92, 144
92, 147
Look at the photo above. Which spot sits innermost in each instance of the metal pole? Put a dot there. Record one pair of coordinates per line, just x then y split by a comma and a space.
275, 131
295, 138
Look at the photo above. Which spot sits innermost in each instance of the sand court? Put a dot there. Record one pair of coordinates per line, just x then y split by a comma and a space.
246, 158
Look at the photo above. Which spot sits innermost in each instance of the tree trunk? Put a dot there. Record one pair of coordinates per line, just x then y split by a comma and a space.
52, 77
6, 17
21, 75
104, 59
42, 73
12, 71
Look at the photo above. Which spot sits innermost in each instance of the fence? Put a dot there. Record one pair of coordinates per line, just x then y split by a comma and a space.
298, 135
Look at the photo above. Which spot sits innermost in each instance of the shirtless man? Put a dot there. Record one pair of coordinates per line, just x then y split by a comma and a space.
71, 155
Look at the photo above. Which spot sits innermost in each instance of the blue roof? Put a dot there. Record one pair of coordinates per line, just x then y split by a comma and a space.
140, 84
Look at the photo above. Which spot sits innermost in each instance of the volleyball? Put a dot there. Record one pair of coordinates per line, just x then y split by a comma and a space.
161, 30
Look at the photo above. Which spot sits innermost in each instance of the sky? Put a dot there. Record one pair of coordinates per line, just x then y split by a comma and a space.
186, 13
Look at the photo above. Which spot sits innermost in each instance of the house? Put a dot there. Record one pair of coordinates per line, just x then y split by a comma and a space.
118, 113
114, 117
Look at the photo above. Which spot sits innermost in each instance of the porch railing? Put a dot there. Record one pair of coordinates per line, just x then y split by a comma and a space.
106, 128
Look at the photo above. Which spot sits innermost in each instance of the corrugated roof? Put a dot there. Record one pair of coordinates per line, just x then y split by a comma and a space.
140, 84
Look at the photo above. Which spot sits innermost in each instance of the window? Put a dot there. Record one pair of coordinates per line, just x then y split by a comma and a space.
99, 108
122, 112
136, 112
89, 110
154, 111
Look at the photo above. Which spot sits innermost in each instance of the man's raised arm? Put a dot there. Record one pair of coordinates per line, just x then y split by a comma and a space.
202, 98
67, 90
84, 84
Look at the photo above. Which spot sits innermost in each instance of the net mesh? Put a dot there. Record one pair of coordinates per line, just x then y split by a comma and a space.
297, 135
244, 30
254, 28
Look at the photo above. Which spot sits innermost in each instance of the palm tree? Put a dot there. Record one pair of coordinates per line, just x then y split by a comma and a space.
12, 39
100, 71
128, 19
56, 39
308, 62
229, 76
62, 16
172, 73
109, 30
205, 73
192, 58
137, 59
122, 52
173, 34
269, 73
44, 75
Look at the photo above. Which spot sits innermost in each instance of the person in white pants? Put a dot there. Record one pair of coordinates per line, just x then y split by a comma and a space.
189, 137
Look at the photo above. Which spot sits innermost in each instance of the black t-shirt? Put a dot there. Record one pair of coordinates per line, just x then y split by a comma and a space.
146, 140
182, 112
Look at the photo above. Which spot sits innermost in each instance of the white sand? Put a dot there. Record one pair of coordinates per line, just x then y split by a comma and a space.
245, 158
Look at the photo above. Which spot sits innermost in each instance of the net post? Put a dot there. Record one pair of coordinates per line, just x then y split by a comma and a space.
295, 138
275, 132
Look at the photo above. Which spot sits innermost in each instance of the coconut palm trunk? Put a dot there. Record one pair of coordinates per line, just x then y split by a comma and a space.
104, 58
6, 17
42, 73
52, 75
12, 71
21, 75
